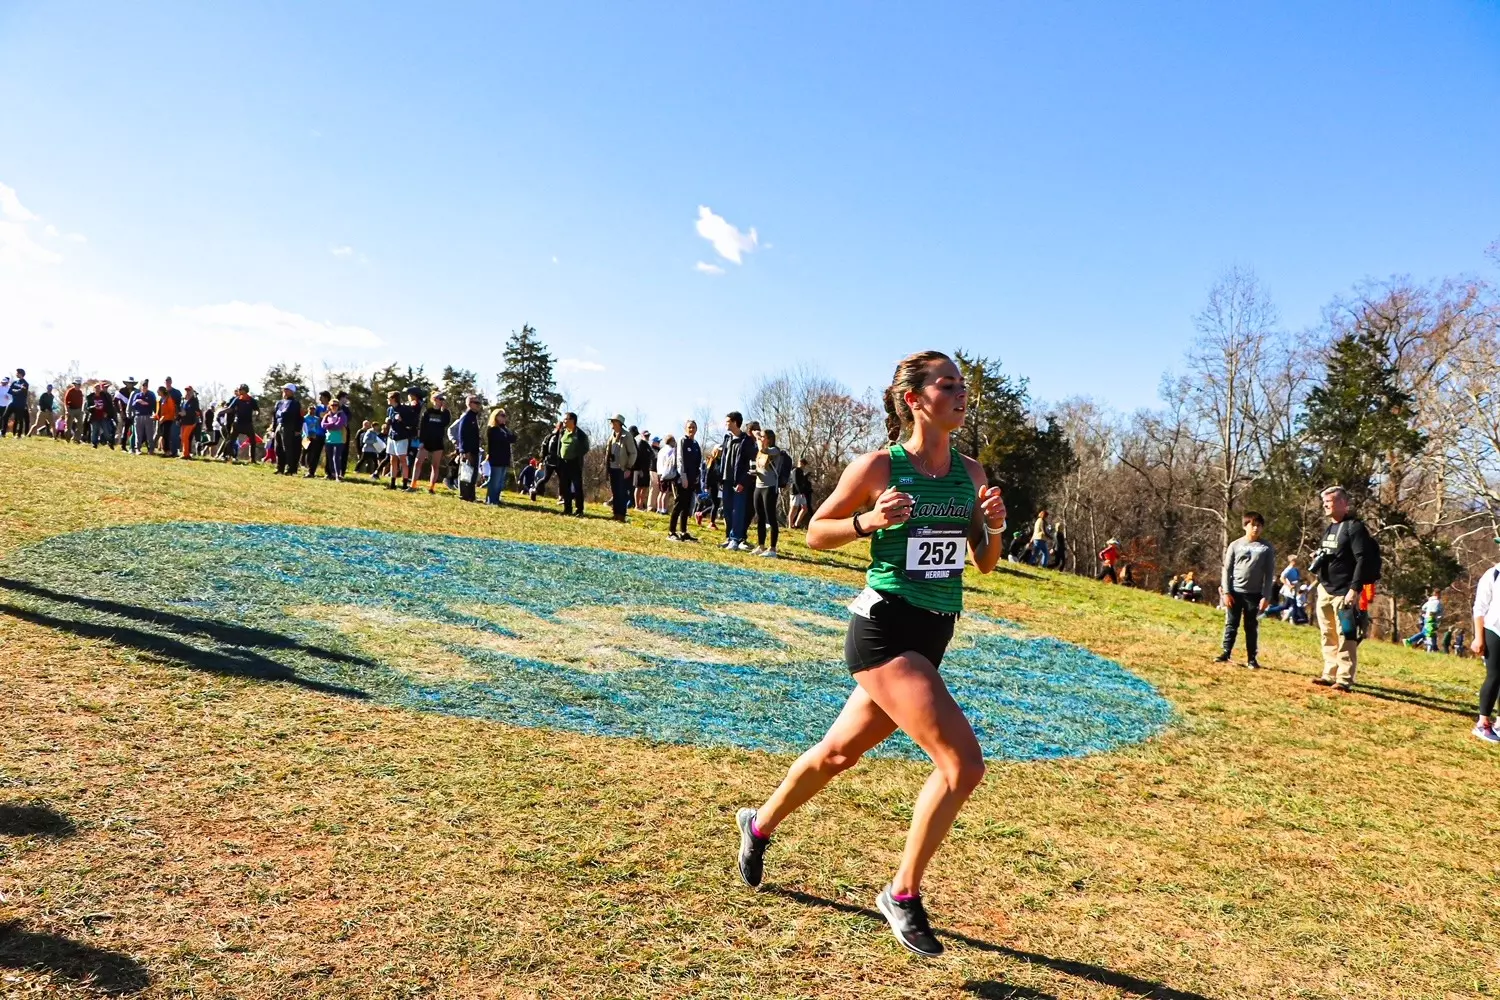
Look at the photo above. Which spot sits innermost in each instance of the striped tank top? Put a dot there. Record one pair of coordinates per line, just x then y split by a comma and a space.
922, 561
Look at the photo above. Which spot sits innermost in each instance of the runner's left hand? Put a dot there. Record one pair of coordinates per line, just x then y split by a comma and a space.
992, 507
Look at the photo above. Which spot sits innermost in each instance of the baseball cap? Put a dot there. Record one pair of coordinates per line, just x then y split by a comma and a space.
289, 387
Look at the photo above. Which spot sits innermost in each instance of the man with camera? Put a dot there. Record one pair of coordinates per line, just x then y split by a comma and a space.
1347, 561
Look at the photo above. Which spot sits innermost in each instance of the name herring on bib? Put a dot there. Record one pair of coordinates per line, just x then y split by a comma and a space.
922, 561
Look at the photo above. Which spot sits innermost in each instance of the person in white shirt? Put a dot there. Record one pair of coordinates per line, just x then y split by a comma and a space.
1487, 644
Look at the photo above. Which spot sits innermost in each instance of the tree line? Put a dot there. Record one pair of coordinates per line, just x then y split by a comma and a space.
1391, 397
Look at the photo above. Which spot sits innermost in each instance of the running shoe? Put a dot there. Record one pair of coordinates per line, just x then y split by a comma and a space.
908, 920
1222, 658
758, 550
1345, 688
746, 547
1486, 732
1322, 682
728, 543
770, 554
752, 848
672, 536
1253, 664
688, 538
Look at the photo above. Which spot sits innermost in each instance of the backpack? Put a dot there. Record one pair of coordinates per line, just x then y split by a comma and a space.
783, 470
1372, 557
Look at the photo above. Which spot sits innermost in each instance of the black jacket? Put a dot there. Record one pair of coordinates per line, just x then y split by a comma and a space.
497, 445
552, 450
739, 459
1345, 560
690, 461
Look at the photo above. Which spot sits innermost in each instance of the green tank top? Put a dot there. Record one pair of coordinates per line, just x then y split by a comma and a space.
922, 561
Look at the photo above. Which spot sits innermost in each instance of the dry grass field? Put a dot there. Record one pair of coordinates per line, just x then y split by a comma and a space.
172, 828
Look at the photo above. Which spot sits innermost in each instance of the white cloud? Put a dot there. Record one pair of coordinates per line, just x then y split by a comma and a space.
729, 242
53, 232
17, 246
11, 207
579, 365
264, 319
705, 268
343, 251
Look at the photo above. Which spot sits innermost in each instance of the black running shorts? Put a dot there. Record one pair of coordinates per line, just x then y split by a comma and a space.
895, 627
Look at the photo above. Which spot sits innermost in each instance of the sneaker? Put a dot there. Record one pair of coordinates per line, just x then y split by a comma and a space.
1322, 682
759, 550
908, 920
1486, 732
746, 547
1252, 664
752, 848
688, 538
1345, 688
672, 536
1222, 658
770, 554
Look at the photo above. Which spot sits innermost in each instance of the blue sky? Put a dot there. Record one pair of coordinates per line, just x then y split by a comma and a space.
226, 185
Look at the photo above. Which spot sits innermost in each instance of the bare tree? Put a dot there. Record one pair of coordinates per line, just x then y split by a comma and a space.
817, 418
1229, 378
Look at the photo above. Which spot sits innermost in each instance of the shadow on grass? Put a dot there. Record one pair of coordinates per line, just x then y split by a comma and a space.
32, 819
990, 989
105, 971
1431, 702
1124, 982
242, 659
1417, 698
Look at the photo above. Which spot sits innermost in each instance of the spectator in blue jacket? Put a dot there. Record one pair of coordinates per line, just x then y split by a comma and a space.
685, 486
468, 447
738, 478
498, 440
286, 426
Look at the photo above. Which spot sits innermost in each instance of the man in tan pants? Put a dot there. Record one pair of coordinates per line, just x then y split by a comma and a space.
1340, 655
1346, 561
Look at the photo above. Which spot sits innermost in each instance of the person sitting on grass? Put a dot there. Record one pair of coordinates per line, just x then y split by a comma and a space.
1432, 613
1248, 580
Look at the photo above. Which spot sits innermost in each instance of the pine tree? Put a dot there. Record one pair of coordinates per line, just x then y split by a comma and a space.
528, 391
1358, 421
1018, 456
458, 384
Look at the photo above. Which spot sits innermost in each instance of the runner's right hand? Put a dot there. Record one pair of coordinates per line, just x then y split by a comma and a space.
893, 507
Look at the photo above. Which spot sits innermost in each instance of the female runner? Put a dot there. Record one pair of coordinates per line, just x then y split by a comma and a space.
921, 504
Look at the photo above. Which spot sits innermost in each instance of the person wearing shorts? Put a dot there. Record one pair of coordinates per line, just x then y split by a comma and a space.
432, 435
801, 505
922, 505
398, 430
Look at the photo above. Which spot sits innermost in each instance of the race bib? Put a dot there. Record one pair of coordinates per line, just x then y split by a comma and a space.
936, 552
865, 603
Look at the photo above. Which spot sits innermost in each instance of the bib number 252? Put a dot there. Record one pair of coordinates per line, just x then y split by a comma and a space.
936, 553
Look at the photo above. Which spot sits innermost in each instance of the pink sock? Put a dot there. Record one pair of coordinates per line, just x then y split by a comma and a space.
756, 830
904, 897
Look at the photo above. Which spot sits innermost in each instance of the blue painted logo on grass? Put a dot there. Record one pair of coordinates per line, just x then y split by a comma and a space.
585, 640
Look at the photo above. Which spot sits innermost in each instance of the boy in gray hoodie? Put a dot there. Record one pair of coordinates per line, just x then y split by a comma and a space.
1247, 584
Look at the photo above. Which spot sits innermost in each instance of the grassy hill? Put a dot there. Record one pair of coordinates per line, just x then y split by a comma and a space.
172, 829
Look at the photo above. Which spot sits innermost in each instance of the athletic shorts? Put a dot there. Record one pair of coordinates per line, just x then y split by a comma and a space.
642, 479
896, 626
436, 451
397, 446
798, 501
